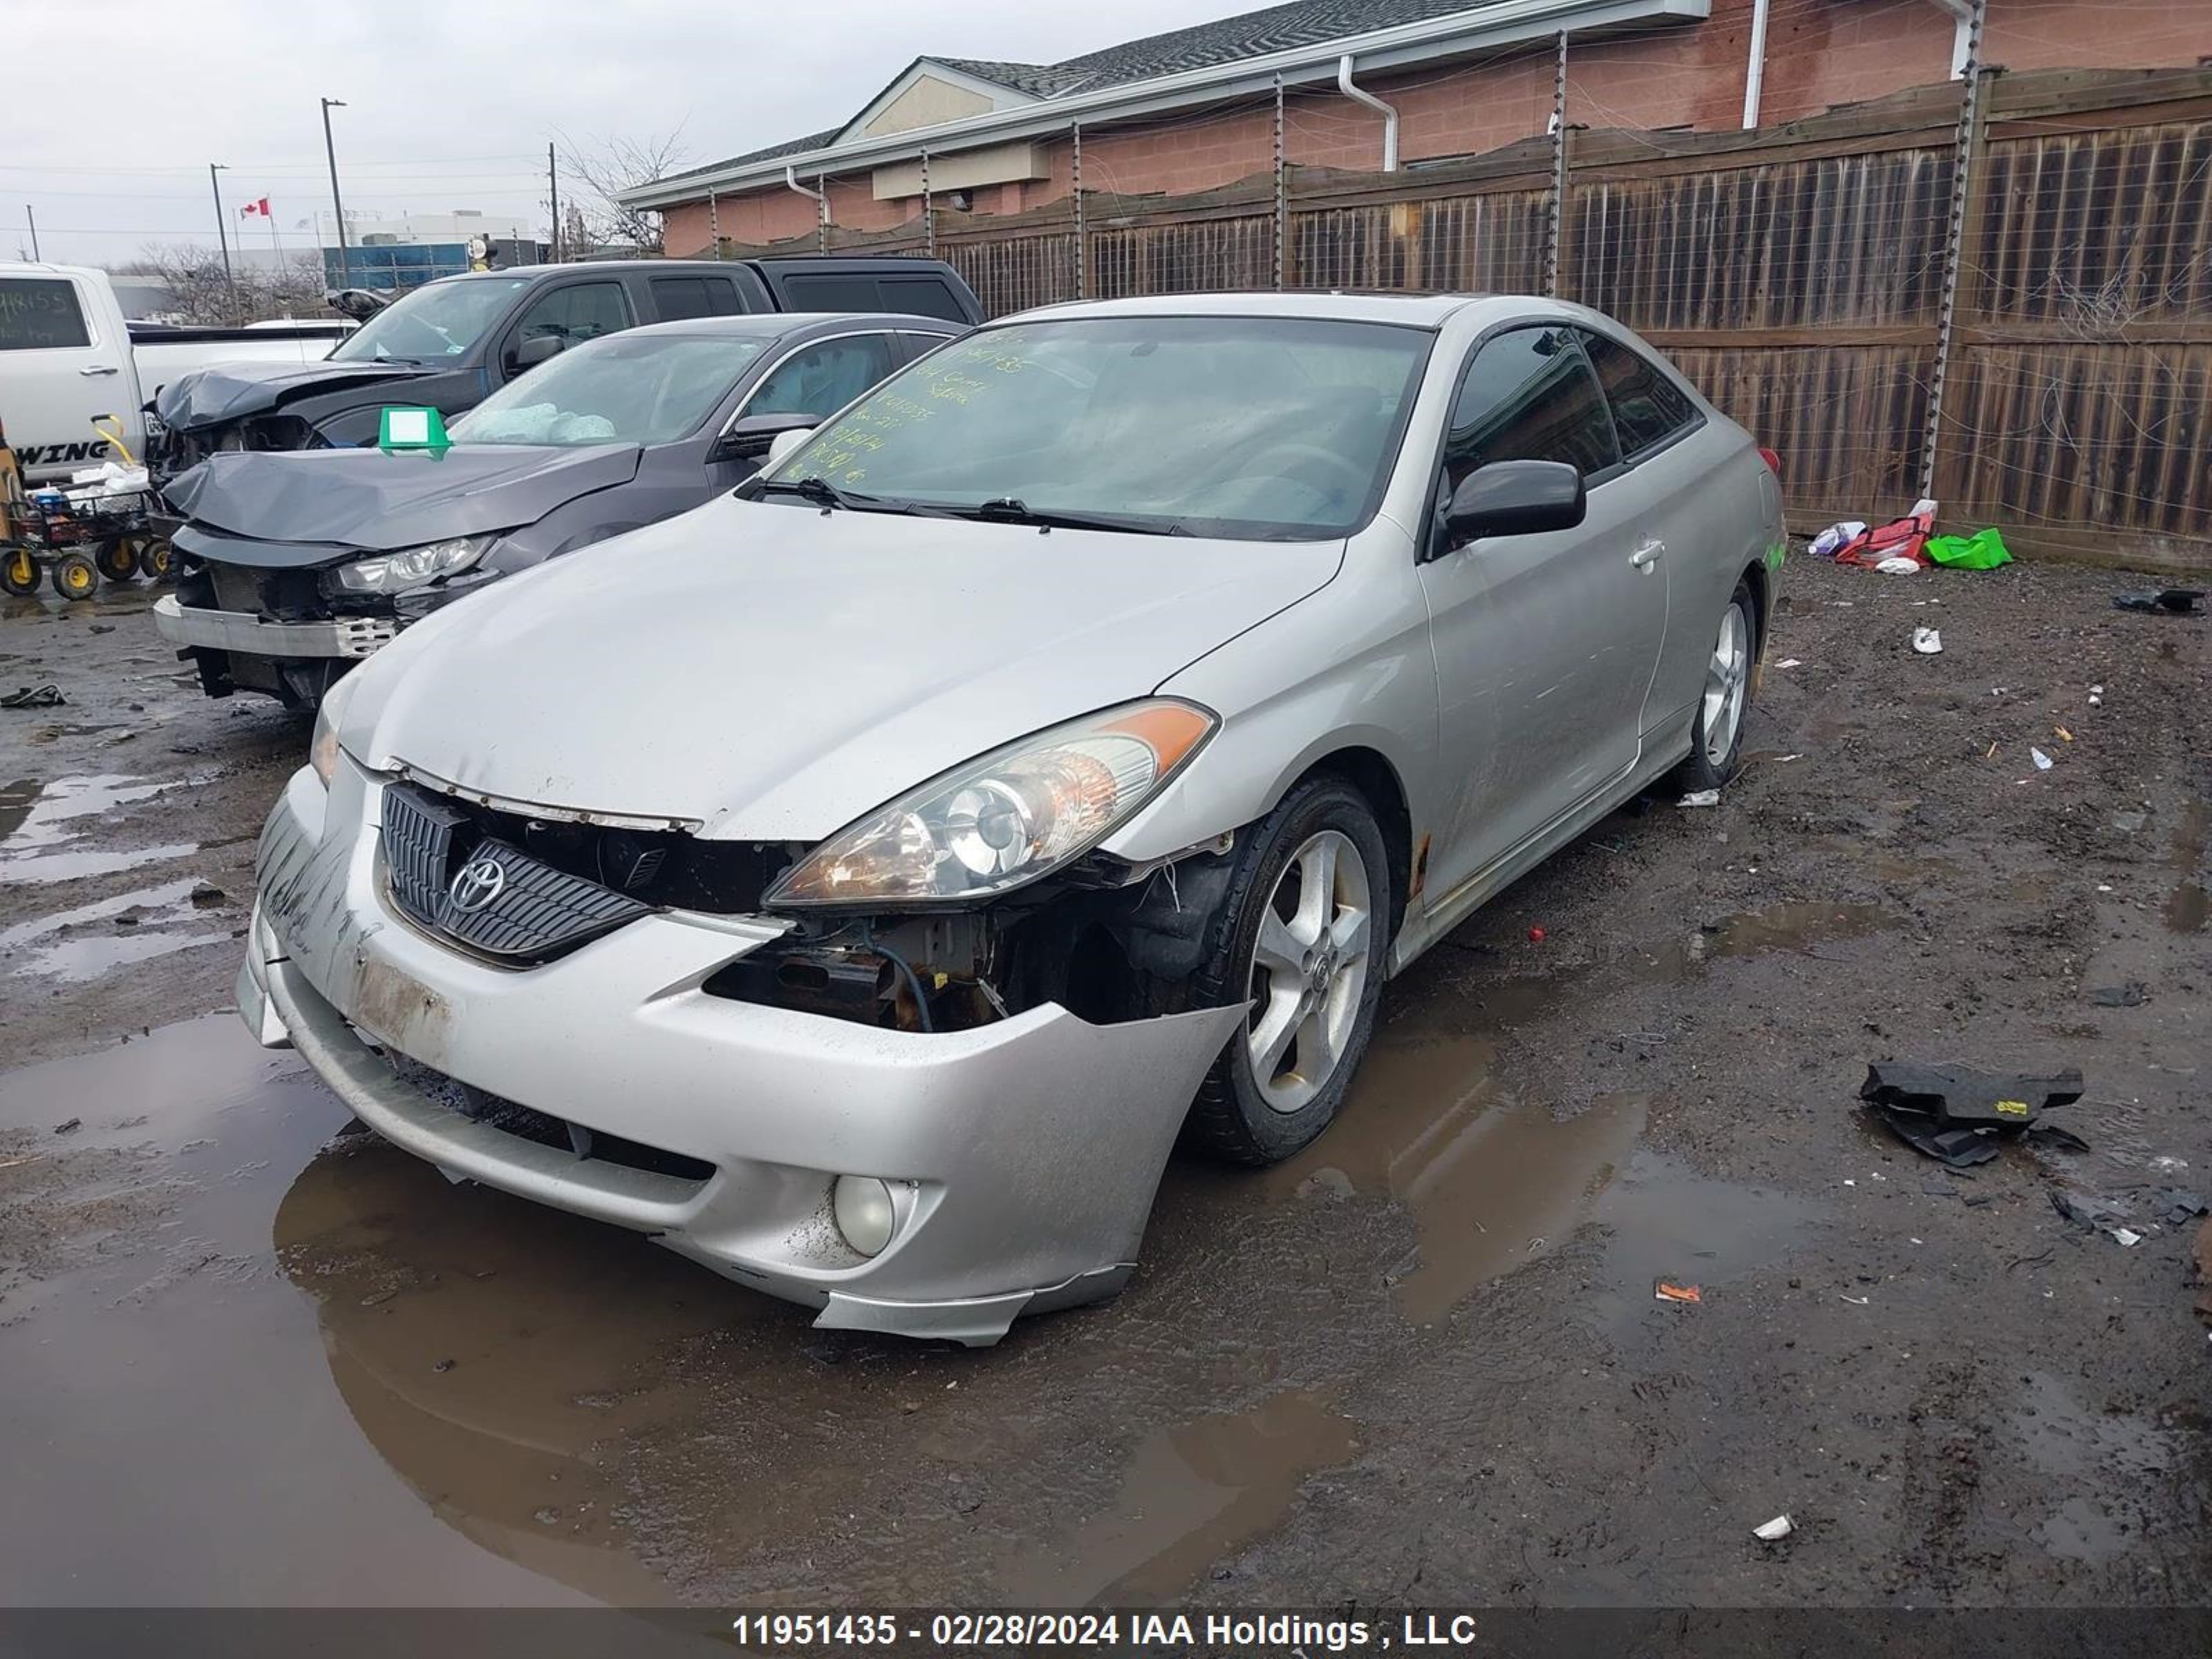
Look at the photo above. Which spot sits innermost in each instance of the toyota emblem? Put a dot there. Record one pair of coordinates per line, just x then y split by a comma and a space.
475, 885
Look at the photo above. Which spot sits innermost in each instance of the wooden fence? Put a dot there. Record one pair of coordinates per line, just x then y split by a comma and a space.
1796, 274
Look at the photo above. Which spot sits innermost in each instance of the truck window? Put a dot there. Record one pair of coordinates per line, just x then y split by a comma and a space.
677, 298
923, 296
39, 314
576, 312
828, 293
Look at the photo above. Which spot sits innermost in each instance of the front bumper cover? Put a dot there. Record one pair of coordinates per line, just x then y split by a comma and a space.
1024, 1155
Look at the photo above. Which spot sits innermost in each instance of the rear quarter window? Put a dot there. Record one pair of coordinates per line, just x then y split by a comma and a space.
1648, 408
923, 296
832, 293
678, 298
41, 314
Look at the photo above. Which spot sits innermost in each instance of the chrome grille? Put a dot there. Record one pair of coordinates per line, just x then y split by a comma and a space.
537, 911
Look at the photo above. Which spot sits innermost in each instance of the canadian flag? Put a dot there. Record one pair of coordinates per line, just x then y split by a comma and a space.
260, 207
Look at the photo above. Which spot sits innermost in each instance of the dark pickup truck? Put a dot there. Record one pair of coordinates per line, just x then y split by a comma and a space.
451, 343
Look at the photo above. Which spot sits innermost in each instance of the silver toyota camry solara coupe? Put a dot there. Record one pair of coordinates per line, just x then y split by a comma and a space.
859, 883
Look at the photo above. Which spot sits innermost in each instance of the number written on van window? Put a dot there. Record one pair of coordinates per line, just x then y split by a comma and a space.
40, 313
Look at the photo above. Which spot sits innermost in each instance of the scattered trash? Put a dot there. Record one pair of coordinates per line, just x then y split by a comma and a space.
1928, 641
2064, 736
2166, 1165
206, 895
1790, 662
2200, 1255
2043, 762
1984, 550
1536, 936
1774, 1531
2133, 995
1856, 1301
1904, 539
1663, 1292
69, 1127
444, 1365
2178, 601
34, 696
2127, 1236
1954, 1114
1701, 798
1836, 537
1899, 565
2181, 1206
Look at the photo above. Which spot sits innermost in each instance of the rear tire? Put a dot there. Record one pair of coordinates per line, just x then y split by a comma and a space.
75, 577
1724, 701
1302, 934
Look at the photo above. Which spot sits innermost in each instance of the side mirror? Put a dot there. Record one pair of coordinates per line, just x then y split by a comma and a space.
753, 437
1515, 498
537, 349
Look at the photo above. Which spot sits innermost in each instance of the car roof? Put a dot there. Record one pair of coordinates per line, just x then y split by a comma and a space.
1418, 310
775, 325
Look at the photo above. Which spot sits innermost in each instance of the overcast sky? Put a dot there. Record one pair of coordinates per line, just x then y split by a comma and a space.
113, 111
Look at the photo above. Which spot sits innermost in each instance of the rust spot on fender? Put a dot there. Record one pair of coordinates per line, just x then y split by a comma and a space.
401, 1011
1421, 871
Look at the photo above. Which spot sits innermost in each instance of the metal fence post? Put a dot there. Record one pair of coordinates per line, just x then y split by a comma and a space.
1555, 230
714, 220
928, 208
1082, 237
1973, 131
1282, 241
822, 225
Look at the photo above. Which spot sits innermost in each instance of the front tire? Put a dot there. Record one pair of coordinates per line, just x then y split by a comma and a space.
1724, 703
19, 571
74, 577
1302, 936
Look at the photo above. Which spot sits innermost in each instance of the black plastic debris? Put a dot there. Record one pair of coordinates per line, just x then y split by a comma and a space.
2178, 1207
2133, 995
33, 696
2178, 601
1960, 1116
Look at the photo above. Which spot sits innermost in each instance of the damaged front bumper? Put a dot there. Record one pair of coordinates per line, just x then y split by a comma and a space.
193, 627
1021, 1156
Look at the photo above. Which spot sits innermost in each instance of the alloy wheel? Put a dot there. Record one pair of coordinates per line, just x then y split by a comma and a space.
1309, 973
1728, 680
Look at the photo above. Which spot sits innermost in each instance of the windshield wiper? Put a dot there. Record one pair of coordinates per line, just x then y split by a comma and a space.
820, 491
1008, 509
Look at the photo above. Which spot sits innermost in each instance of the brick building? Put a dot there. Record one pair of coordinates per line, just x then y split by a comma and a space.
1196, 108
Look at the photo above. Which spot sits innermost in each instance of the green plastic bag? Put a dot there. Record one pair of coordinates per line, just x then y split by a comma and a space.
1982, 550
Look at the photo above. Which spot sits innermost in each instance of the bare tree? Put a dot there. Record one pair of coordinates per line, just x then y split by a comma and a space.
595, 169
201, 294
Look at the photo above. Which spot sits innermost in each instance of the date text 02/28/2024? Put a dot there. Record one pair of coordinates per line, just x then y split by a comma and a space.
1165, 1631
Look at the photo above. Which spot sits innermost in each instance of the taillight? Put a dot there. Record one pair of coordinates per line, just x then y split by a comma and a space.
1773, 461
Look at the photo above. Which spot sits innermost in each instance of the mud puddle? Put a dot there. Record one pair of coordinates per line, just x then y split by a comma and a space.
1192, 1494
46, 815
1663, 1220
146, 925
73, 866
174, 1435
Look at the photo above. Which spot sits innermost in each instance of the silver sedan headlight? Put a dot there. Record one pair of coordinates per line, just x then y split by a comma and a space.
395, 573
1007, 819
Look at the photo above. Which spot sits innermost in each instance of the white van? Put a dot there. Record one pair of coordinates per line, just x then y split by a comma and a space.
67, 355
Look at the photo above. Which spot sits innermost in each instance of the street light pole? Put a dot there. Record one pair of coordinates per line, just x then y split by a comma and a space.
223, 232
345, 253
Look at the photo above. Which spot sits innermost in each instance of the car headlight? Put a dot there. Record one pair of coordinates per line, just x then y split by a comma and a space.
323, 747
395, 573
1005, 820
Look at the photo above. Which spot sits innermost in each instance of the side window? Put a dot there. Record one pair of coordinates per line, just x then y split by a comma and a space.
1648, 407
578, 313
923, 296
830, 292
1529, 395
823, 378
677, 298
40, 313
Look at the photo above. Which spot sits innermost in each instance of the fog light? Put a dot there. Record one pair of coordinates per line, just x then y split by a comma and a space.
862, 1206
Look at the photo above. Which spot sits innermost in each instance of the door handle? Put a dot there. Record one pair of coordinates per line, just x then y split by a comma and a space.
1647, 556
100, 368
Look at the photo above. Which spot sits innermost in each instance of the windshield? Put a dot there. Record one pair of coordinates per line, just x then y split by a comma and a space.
437, 321
625, 388
1250, 427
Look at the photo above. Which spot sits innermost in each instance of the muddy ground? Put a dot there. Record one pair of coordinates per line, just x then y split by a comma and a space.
253, 1357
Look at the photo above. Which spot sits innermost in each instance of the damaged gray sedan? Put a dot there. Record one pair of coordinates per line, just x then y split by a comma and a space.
859, 883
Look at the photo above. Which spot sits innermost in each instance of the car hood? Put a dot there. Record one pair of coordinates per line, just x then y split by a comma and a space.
228, 391
771, 672
339, 498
